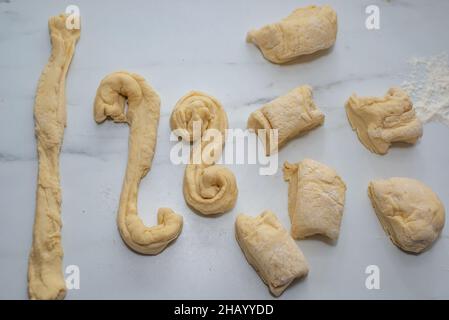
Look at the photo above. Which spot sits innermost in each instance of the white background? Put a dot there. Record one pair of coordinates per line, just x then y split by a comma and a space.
183, 45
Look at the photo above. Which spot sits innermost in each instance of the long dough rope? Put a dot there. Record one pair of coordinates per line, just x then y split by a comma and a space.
143, 118
45, 276
208, 188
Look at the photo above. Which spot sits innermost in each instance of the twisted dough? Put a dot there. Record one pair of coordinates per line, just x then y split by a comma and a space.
45, 277
143, 118
208, 188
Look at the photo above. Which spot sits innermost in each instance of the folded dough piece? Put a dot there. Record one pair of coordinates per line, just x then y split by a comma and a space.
409, 211
305, 31
270, 250
292, 114
381, 121
316, 197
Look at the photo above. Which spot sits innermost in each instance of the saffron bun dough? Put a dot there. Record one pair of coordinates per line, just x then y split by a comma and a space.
305, 31
270, 250
409, 211
316, 198
379, 122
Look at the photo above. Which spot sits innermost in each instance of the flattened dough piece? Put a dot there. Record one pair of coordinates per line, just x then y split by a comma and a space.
45, 275
379, 122
292, 114
409, 212
305, 31
316, 197
270, 250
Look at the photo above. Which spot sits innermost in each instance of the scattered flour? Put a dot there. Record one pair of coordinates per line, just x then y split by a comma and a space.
428, 86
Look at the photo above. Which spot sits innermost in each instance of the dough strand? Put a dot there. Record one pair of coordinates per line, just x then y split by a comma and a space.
45, 275
143, 118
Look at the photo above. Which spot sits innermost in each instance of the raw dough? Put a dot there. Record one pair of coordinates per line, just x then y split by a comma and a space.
143, 118
208, 188
409, 211
270, 250
381, 121
304, 31
292, 115
45, 276
316, 197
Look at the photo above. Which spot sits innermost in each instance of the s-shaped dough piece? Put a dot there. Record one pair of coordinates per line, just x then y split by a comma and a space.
45, 276
316, 198
292, 115
208, 188
305, 31
270, 250
409, 212
379, 122
143, 118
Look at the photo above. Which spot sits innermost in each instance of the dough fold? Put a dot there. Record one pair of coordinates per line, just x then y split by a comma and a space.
270, 250
410, 212
305, 31
291, 115
142, 116
208, 188
45, 275
316, 197
379, 122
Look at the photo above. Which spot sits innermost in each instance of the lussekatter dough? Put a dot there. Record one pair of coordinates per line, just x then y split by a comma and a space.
409, 211
291, 114
270, 250
316, 197
305, 31
45, 275
208, 188
379, 122
143, 118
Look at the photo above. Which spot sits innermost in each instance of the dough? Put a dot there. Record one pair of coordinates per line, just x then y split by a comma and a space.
45, 276
270, 250
304, 31
381, 121
143, 118
292, 115
316, 197
208, 188
409, 211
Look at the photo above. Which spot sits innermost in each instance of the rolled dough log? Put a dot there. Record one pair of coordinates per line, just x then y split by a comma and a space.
45, 275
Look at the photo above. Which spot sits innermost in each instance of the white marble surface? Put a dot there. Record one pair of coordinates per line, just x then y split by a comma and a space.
182, 45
